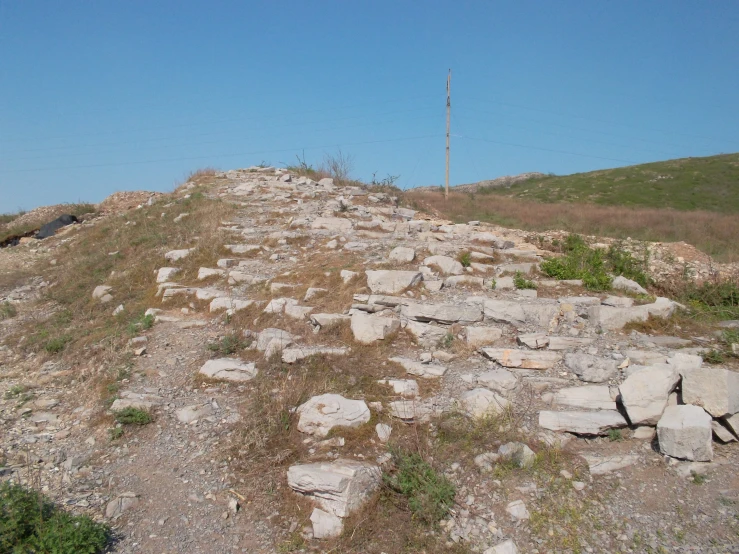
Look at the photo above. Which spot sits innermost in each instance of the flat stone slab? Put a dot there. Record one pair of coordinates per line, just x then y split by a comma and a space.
427, 371
600, 465
292, 355
501, 381
589, 368
524, 359
481, 402
371, 328
582, 423
442, 313
590, 397
229, 369
322, 413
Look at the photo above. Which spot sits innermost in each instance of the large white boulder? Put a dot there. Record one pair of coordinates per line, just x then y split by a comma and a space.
714, 389
339, 487
582, 423
369, 328
322, 413
685, 432
386, 281
644, 393
229, 369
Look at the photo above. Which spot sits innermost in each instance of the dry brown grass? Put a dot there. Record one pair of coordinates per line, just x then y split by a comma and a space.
712, 233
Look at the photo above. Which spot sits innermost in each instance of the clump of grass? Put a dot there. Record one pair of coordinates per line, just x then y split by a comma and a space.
116, 433
7, 310
57, 344
521, 283
230, 344
714, 356
429, 493
698, 479
615, 435
141, 323
31, 523
133, 416
594, 266
14, 392
717, 298
465, 258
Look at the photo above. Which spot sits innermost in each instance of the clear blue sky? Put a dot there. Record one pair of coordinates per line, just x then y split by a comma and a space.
100, 96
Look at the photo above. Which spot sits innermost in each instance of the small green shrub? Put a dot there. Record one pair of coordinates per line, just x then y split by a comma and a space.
520, 282
141, 323
133, 416
615, 435
230, 344
698, 478
465, 258
116, 433
714, 356
14, 392
57, 344
7, 310
594, 266
430, 494
30, 524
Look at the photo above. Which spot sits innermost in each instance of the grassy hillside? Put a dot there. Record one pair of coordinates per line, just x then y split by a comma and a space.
710, 184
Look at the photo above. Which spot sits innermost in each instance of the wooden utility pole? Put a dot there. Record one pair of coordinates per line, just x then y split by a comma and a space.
448, 117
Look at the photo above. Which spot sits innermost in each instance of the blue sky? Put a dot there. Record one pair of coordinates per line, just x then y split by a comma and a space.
103, 96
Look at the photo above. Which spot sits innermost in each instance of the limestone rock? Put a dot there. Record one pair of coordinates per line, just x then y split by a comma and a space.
371, 328
165, 274
333, 224
505, 547
600, 465
644, 393
518, 453
517, 510
403, 387
402, 254
591, 369
442, 313
714, 389
328, 320
501, 381
591, 397
322, 413
325, 524
387, 281
426, 334
582, 423
685, 432
188, 414
174, 255
622, 283
229, 369
481, 402
447, 265
122, 503
292, 355
525, 359
427, 371
339, 487
481, 336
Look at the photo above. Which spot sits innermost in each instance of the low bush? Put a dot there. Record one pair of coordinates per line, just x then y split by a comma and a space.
430, 494
133, 416
521, 282
594, 266
7, 310
29, 523
465, 258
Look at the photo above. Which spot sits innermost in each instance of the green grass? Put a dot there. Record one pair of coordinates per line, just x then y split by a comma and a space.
30, 524
133, 416
521, 283
230, 344
708, 183
465, 258
430, 494
15, 391
594, 266
7, 310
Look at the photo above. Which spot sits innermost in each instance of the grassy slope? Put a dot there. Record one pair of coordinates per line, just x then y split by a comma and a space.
710, 184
